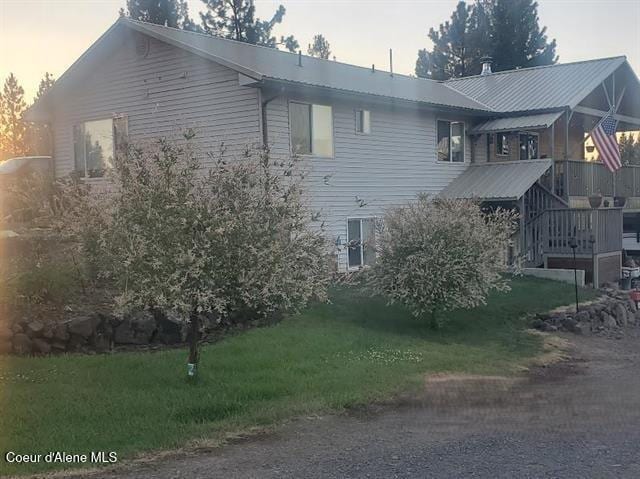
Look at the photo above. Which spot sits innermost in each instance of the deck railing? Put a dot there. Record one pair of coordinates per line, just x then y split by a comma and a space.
595, 231
587, 178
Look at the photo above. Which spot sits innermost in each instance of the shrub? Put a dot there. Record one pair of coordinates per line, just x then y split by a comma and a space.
234, 240
436, 255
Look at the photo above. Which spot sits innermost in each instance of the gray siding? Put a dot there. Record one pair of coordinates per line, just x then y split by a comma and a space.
388, 167
167, 91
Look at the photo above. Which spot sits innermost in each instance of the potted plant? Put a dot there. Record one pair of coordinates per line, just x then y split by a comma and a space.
619, 201
595, 200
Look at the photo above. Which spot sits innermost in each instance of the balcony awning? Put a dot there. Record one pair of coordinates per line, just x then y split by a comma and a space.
515, 123
505, 181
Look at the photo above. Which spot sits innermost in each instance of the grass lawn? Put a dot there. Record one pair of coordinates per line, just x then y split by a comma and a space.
332, 356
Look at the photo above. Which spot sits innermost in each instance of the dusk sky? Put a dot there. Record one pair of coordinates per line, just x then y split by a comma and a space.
48, 35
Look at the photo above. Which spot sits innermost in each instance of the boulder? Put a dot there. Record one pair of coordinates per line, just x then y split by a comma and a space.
58, 346
16, 328
35, 328
538, 324
22, 344
570, 324
608, 321
170, 328
60, 332
138, 328
82, 326
41, 346
620, 314
583, 316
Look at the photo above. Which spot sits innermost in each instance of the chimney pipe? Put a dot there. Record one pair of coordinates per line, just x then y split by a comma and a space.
391, 61
373, 68
486, 66
299, 58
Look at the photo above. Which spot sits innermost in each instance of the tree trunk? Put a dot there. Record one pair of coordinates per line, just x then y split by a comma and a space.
194, 338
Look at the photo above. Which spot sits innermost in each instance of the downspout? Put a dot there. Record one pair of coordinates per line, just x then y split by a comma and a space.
263, 112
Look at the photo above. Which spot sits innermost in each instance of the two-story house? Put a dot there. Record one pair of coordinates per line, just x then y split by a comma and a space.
370, 138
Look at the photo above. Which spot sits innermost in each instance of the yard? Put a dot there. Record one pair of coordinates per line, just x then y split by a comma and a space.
333, 356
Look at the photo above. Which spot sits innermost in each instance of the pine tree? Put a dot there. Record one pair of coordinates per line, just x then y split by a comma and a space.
320, 47
517, 39
45, 83
235, 19
629, 149
170, 13
506, 30
454, 53
13, 130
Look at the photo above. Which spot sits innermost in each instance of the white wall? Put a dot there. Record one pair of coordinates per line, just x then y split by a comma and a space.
168, 90
388, 167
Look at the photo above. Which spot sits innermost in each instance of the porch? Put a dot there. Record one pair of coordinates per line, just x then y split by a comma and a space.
580, 178
549, 240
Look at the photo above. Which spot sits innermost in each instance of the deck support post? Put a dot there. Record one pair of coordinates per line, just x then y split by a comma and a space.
523, 241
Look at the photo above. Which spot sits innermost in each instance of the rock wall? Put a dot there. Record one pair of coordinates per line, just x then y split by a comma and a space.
608, 315
97, 333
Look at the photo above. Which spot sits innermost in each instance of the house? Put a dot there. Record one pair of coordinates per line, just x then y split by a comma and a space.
371, 138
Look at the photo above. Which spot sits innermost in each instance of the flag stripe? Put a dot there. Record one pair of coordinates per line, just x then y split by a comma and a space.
604, 138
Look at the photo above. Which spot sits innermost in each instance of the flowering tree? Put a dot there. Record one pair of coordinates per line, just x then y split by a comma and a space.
233, 240
435, 255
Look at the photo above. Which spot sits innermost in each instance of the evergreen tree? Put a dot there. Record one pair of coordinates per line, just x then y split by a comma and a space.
39, 134
506, 30
236, 19
453, 53
13, 130
45, 83
170, 13
517, 39
629, 149
320, 47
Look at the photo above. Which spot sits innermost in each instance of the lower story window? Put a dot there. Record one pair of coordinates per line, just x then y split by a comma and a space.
361, 237
95, 143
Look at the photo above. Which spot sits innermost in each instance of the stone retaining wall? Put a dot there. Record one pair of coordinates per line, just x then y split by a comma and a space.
97, 333
608, 315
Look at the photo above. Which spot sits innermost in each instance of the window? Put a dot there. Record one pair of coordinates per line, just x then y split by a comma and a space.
311, 129
361, 237
528, 146
363, 122
502, 144
450, 141
95, 143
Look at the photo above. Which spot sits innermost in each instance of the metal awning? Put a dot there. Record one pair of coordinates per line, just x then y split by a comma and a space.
507, 180
514, 123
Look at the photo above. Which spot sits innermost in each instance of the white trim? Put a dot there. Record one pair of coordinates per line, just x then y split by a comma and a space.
333, 133
464, 142
357, 111
81, 123
359, 219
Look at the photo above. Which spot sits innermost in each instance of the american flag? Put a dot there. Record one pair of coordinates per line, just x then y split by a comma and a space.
604, 137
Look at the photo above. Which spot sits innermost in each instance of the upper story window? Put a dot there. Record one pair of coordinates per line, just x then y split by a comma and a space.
95, 143
450, 141
363, 122
528, 146
502, 144
311, 129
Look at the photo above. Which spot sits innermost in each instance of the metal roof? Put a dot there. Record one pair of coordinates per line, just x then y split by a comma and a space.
262, 63
543, 120
537, 88
507, 180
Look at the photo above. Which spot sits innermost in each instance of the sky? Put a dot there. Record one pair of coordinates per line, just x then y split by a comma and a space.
49, 35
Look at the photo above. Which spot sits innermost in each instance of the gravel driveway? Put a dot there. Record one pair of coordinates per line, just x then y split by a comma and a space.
577, 419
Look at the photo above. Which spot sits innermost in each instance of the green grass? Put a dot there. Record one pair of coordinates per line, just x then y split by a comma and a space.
332, 356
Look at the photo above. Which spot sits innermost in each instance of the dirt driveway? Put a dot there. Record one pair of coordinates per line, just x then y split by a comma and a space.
577, 419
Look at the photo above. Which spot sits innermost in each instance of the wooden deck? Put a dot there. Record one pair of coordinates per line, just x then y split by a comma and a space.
584, 178
596, 231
